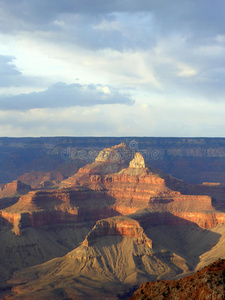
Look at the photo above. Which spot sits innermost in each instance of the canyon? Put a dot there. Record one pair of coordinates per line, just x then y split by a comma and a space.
112, 225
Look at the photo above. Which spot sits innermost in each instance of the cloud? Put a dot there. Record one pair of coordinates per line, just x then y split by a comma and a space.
8, 72
63, 95
171, 118
161, 52
201, 13
139, 22
10, 76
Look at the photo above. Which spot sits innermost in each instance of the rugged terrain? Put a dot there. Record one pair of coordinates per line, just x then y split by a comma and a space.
109, 227
208, 283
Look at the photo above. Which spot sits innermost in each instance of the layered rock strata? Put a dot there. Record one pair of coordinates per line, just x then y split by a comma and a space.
109, 160
104, 195
131, 189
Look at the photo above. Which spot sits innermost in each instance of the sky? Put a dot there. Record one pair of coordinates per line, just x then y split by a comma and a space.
112, 68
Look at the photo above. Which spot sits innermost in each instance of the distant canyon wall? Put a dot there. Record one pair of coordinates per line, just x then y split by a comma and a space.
194, 160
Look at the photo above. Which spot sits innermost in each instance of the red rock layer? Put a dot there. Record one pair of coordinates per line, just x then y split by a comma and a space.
39, 208
104, 195
109, 160
83, 175
203, 220
148, 190
117, 226
122, 193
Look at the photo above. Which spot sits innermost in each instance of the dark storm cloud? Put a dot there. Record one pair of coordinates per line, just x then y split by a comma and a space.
63, 95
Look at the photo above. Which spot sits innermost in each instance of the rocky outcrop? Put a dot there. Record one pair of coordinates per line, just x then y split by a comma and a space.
136, 188
111, 155
109, 160
114, 256
104, 195
119, 251
15, 187
205, 284
138, 161
118, 226
38, 208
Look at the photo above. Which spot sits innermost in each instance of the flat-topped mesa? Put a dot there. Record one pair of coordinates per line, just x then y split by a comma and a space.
138, 161
117, 226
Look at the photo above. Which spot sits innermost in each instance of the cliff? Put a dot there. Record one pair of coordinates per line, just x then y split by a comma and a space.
97, 196
118, 226
146, 229
38, 208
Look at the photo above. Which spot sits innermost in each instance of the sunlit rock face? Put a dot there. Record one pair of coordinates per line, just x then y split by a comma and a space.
130, 206
108, 161
104, 189
111, 155
138, 161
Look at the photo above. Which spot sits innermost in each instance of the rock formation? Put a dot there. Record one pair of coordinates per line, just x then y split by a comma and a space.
118, 226
203, 159
114, 256
138, 161
205, 284
131, 207
13, 188
38, 208
109, 160
119, 193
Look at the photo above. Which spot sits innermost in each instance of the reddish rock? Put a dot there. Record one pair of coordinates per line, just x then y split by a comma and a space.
205, 284
117, 226
104, 195
109, 160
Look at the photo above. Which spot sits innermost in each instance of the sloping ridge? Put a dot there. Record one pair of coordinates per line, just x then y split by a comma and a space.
115, 255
